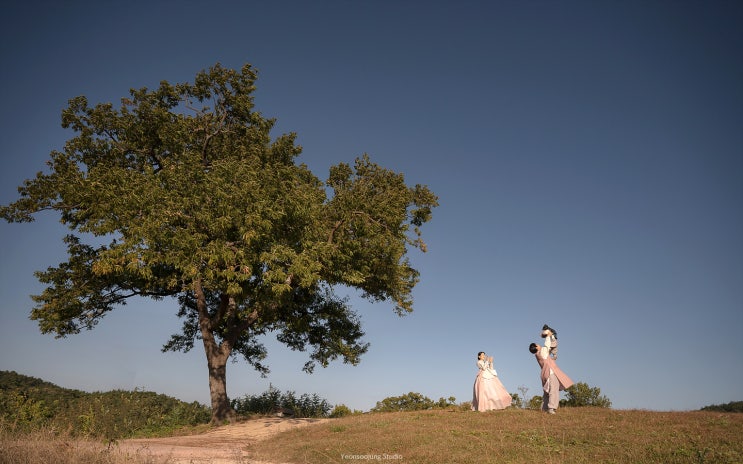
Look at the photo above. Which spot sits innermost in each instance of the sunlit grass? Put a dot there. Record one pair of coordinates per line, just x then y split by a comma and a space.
574, 435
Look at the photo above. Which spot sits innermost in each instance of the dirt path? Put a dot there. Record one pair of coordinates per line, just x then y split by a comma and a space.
225, 445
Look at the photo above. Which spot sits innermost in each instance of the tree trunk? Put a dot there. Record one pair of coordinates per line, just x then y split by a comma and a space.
221, 409
216, 359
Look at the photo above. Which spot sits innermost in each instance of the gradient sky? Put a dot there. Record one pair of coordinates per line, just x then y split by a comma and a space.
588, 157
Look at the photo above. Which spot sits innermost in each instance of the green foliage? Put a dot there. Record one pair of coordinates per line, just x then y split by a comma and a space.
535, 402
464, 406
580, 394
341, 410
182, 192
444, 403
412, 402
31, 404
516, 401
733, 406
24, 411
274, 401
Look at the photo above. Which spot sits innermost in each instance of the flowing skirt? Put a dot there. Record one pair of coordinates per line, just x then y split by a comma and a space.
489, 394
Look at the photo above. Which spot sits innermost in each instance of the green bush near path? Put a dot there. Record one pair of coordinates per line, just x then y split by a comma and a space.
30, 404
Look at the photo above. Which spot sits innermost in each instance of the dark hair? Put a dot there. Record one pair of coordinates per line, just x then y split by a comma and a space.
546, 327
533, 348
479, 353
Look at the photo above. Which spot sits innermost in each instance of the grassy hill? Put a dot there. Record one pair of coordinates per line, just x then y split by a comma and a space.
28, 403
42, 418
574, 435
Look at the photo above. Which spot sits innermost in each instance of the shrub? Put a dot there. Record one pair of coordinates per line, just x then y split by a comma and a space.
412, 402
30, 404
466, 406
341, 410
273, 400
580, 394
535, 402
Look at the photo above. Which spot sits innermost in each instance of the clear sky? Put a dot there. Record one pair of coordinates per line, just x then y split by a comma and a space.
588, 157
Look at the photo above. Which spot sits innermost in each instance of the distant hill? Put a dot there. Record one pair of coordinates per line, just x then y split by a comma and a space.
10, 380
33, 388
733, 406
29, 403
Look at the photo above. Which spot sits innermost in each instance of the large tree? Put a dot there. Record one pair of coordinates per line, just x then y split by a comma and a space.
183, 193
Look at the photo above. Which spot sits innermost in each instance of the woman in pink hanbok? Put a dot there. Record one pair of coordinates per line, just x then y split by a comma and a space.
488, 392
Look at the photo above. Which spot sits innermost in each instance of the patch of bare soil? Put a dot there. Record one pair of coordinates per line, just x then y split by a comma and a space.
228, 444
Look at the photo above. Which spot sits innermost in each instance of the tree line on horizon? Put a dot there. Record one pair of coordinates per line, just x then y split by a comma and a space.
28, 402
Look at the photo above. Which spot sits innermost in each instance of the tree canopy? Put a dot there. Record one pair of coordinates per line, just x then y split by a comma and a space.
580, 394
182, 192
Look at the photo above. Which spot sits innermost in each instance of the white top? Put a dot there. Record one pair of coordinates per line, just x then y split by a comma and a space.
488, 371
544, 352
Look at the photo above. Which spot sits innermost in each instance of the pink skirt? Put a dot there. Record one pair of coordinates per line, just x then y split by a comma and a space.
489, 394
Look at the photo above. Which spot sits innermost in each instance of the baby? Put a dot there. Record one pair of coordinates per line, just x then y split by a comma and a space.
550, 340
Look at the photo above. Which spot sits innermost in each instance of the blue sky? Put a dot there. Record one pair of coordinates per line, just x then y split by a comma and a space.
588, 157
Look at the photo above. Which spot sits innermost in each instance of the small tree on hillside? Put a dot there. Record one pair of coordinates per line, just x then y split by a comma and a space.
535, 402
523, 389
196, 202
580, 394
411, 402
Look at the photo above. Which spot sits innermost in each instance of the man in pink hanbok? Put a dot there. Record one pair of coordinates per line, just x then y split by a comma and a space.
553, 378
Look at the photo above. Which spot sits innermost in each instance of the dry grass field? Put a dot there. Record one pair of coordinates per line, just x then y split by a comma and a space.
573, 435
48, 447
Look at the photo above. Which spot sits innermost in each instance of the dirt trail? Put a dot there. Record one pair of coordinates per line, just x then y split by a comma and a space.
226, 445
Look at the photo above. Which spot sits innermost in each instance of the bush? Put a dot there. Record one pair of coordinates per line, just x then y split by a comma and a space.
122, 413
412, 402
341, 410
273, 401
580, 394
466, 406
535, 402
29, 404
